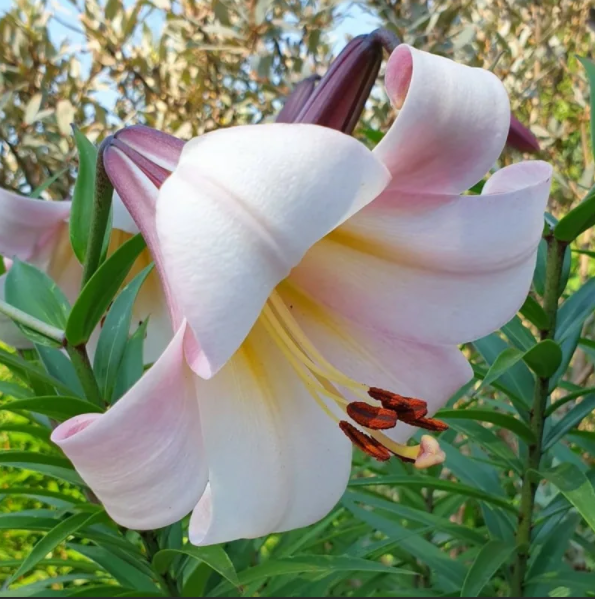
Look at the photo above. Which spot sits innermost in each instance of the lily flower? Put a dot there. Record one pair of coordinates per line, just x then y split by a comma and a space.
318, 291
36, 231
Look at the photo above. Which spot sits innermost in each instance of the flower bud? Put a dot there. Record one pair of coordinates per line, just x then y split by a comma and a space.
521, 138
297, 99
338, 100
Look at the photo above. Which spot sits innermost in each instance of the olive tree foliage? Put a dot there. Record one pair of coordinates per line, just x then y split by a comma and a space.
532, 46
184, 66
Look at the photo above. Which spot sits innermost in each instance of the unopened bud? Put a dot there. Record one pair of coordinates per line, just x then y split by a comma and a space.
297, 100
521, 138
339, 99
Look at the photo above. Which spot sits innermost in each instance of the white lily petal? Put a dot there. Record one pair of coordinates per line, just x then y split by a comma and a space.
276, 460
143, 458
240, 211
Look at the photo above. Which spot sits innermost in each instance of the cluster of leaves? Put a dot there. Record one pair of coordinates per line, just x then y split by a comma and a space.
451, 531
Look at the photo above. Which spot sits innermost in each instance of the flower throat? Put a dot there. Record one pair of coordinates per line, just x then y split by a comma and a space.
322, 379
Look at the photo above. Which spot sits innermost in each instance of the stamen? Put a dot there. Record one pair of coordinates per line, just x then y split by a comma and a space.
366, 443
431, 424
325, 382
372, 416
430, 453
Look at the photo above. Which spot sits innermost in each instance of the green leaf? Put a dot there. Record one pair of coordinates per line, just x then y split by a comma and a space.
82, 198
544, 358
576, 487
36, 193
52, 466
33, 292
114, 335
60, 367
50, 497
578, 220
132, 363
124, 572
99, 591
569, 421
59, 407
429, 482
323, 564
575, 310
534, 313
214, 556
488, 561
52, 539
26, 429
26, 370
15, 390
502, 420
504, 362
100, 291
590, 69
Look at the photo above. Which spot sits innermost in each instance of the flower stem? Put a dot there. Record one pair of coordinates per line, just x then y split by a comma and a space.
538, 415
152, 547
84, 370
47, 330
102, 204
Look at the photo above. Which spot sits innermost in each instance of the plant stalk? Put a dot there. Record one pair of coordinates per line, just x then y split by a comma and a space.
84, 370
152, 547
47, 330
102, 203
538, 415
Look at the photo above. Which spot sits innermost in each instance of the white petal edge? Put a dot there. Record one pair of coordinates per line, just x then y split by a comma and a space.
240, 211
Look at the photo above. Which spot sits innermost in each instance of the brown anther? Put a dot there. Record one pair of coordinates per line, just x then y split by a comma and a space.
408, 409
431, 424
366, 443
371, 416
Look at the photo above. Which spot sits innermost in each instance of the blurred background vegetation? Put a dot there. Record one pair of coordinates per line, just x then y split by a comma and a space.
190, 66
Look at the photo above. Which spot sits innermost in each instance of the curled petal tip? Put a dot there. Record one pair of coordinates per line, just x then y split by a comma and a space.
430, 453
521, 138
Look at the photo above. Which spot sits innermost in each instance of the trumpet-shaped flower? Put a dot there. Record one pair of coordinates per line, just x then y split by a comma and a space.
318, 291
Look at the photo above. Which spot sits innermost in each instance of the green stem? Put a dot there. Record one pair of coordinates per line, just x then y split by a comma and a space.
47, 330
102, 204
152, 547
84, 370
555, 259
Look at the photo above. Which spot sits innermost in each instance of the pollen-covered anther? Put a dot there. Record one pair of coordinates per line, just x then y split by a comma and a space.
431, 424
408, 409
364, 442
372, 417
430, 453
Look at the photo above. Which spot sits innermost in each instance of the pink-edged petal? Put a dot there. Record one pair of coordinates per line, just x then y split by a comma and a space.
144, 458
139, 194
452, 125
158, 147
375, 357
435, 269
240, 211
25, 223
276, 460
9, 332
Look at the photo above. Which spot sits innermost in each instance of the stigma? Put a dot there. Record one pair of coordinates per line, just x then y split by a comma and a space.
374, 410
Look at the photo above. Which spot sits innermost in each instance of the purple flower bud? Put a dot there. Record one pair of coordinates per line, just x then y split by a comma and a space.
338, 100
297, 99
521, 138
